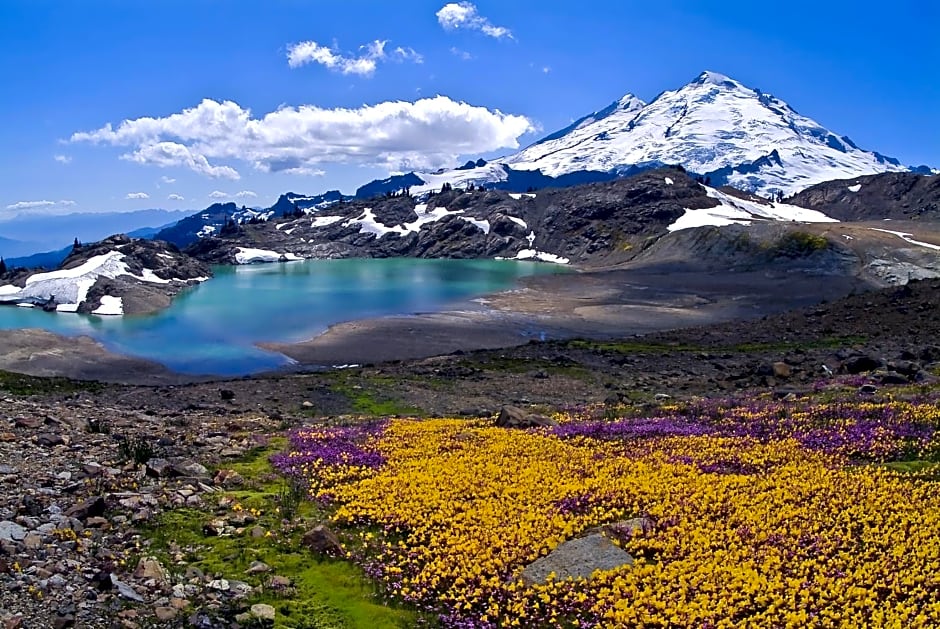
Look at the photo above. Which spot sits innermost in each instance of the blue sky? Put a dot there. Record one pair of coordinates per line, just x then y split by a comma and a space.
308, 95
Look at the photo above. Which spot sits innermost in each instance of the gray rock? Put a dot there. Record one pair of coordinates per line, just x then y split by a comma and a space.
11, 531
222, 585
126, 591
159, 468
263, 612
6, 470
49, 439
258, 567
191, 468
578, 558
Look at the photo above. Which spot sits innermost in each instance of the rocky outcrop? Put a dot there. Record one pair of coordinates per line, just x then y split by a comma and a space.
118, 275
897, 196
601, 223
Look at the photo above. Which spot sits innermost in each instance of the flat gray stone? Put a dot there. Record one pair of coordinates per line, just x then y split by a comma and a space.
578, 558
11, 531
126, 591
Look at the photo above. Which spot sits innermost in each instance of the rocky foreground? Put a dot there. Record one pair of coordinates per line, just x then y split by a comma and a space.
91, 475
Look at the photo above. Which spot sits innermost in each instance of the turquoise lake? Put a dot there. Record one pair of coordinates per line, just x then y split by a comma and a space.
212, 328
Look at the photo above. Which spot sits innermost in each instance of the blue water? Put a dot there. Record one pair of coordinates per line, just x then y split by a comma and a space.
212, 328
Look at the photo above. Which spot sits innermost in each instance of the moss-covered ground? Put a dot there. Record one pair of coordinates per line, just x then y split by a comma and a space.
323, 592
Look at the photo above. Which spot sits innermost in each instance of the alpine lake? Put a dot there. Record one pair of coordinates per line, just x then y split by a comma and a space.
213, 327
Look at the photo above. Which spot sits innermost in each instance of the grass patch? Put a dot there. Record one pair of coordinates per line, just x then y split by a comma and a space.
324, 593
507, 364
21, 384
371, 395
798, 245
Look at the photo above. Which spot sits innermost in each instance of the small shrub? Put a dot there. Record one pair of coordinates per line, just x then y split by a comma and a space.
290, 497
136, 449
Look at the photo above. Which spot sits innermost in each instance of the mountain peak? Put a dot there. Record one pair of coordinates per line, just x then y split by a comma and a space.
709, 77
630, 102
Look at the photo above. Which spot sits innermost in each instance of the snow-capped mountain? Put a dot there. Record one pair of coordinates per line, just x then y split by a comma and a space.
714, 126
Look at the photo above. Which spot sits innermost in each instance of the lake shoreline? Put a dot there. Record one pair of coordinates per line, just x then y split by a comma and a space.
601, 304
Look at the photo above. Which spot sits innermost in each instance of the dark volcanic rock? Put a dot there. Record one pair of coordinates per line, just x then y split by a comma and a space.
875, 197
602, 223
322, 541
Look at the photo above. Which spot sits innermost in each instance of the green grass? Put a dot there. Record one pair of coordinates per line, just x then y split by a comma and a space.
21, 384
325, 593
797, 245
525, 365
371, 395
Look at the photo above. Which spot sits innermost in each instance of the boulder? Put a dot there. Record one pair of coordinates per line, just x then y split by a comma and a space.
11, 531
781, 370
577, 558
323, 541
90, 508
263, 612
861, 364
160, 468
515, 417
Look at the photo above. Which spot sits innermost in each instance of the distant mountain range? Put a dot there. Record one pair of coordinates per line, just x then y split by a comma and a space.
28, 234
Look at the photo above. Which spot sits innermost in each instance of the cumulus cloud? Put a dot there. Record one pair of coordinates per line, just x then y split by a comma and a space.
137, 195
362, 64
246, 194
428, 133
218, 194
32, 205
456, 15
166, 154
167, 180
62, 159
175, 197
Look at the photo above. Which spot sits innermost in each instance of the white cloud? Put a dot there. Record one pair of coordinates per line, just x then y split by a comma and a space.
455, 15
167, 180
176, 197
463, 54
428, 133
218, 194
246, 194
362, 64
165, 154
32, 205
546, 69
62, 159
137, 195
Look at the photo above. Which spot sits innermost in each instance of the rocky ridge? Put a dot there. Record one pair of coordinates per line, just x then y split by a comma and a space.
896, 196
594, 224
